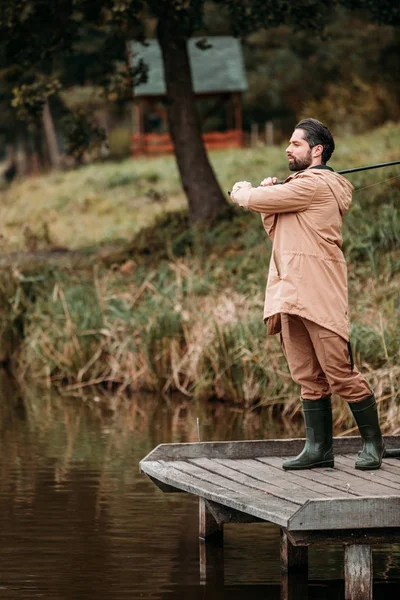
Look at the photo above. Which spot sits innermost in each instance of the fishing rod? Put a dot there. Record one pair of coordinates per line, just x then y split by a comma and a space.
378, 166
356, 169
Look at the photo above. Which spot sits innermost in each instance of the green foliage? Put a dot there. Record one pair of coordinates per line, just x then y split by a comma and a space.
375, 347
62, 324
82, 135
85, 40
234, 362
163, 331
29, 99
345, 76
370, 240
171, 229
381, 11
13, 305
353, 106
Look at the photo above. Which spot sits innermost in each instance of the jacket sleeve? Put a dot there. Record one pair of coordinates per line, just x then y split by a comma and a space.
268, 222
294, 196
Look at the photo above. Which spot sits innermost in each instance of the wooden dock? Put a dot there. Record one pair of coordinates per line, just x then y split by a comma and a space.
245, 482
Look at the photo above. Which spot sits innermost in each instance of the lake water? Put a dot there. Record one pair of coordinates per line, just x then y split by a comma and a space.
78, 520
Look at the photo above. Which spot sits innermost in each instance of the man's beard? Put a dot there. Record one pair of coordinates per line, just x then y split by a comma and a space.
299, 164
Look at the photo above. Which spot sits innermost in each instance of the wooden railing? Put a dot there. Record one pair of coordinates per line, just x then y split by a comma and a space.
161, 143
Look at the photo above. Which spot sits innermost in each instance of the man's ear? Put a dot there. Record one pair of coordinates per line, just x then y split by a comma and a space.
317, 150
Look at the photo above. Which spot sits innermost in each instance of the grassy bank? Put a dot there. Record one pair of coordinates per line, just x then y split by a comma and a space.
106, 202
181, 310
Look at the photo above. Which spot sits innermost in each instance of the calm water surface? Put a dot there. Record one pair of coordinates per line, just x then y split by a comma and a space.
78, 520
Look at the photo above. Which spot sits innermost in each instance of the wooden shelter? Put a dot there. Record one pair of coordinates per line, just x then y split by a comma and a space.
218, 76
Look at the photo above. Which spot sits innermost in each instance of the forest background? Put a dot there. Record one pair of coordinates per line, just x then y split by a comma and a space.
342, 64
115, 288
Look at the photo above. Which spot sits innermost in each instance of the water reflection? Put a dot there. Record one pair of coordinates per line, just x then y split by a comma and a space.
78, 520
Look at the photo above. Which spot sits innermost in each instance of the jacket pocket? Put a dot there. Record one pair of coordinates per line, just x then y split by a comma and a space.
335, 350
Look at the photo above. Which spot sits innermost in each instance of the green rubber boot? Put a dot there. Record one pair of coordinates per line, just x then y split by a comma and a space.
317, 451
366, 416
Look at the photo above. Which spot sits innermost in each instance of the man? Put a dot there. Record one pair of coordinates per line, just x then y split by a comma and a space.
306, 298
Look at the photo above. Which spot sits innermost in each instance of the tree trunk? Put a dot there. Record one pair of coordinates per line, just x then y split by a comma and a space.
50, 135
198, 178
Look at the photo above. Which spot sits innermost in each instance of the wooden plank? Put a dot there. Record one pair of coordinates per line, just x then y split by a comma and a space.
208, 526
158, 138
161, 143
229, 134
380, 475
211, 547
211, 563
223, 514
290, 481
252, 448
347, 513
294, 569
167, 489
234, 470
350, 484
345, 536
248, 449
349, 460
221, 145
363, 487
292, 557
211, 491
390, 465
318, 479
159, 149
277, 505
322, 476
358, 572
345, 483
295, 481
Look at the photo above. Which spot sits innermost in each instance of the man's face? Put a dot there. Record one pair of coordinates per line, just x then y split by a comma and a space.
298, 152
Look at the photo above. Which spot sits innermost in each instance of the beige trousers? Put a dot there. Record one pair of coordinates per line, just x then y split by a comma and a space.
319, 361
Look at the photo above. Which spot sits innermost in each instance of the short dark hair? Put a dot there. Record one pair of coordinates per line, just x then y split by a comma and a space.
316, 133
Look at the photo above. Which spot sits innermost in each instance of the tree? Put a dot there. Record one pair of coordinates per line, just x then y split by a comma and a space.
53, 29
177, 21
32, 105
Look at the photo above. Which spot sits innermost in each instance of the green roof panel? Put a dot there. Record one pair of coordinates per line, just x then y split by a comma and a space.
215, 70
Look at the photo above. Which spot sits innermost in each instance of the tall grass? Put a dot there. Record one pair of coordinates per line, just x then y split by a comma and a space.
185, 327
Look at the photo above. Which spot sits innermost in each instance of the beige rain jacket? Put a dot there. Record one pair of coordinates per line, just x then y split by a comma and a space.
308, 273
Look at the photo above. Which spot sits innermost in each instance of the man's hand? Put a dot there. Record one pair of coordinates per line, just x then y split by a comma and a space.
269, 181
241, 193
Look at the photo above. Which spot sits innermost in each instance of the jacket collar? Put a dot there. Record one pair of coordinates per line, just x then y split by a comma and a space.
322, 167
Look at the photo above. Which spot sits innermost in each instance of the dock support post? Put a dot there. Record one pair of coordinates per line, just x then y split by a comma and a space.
358, 572
211, 547
294, 569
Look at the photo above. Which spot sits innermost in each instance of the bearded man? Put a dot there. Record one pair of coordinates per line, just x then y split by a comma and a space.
306, 297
